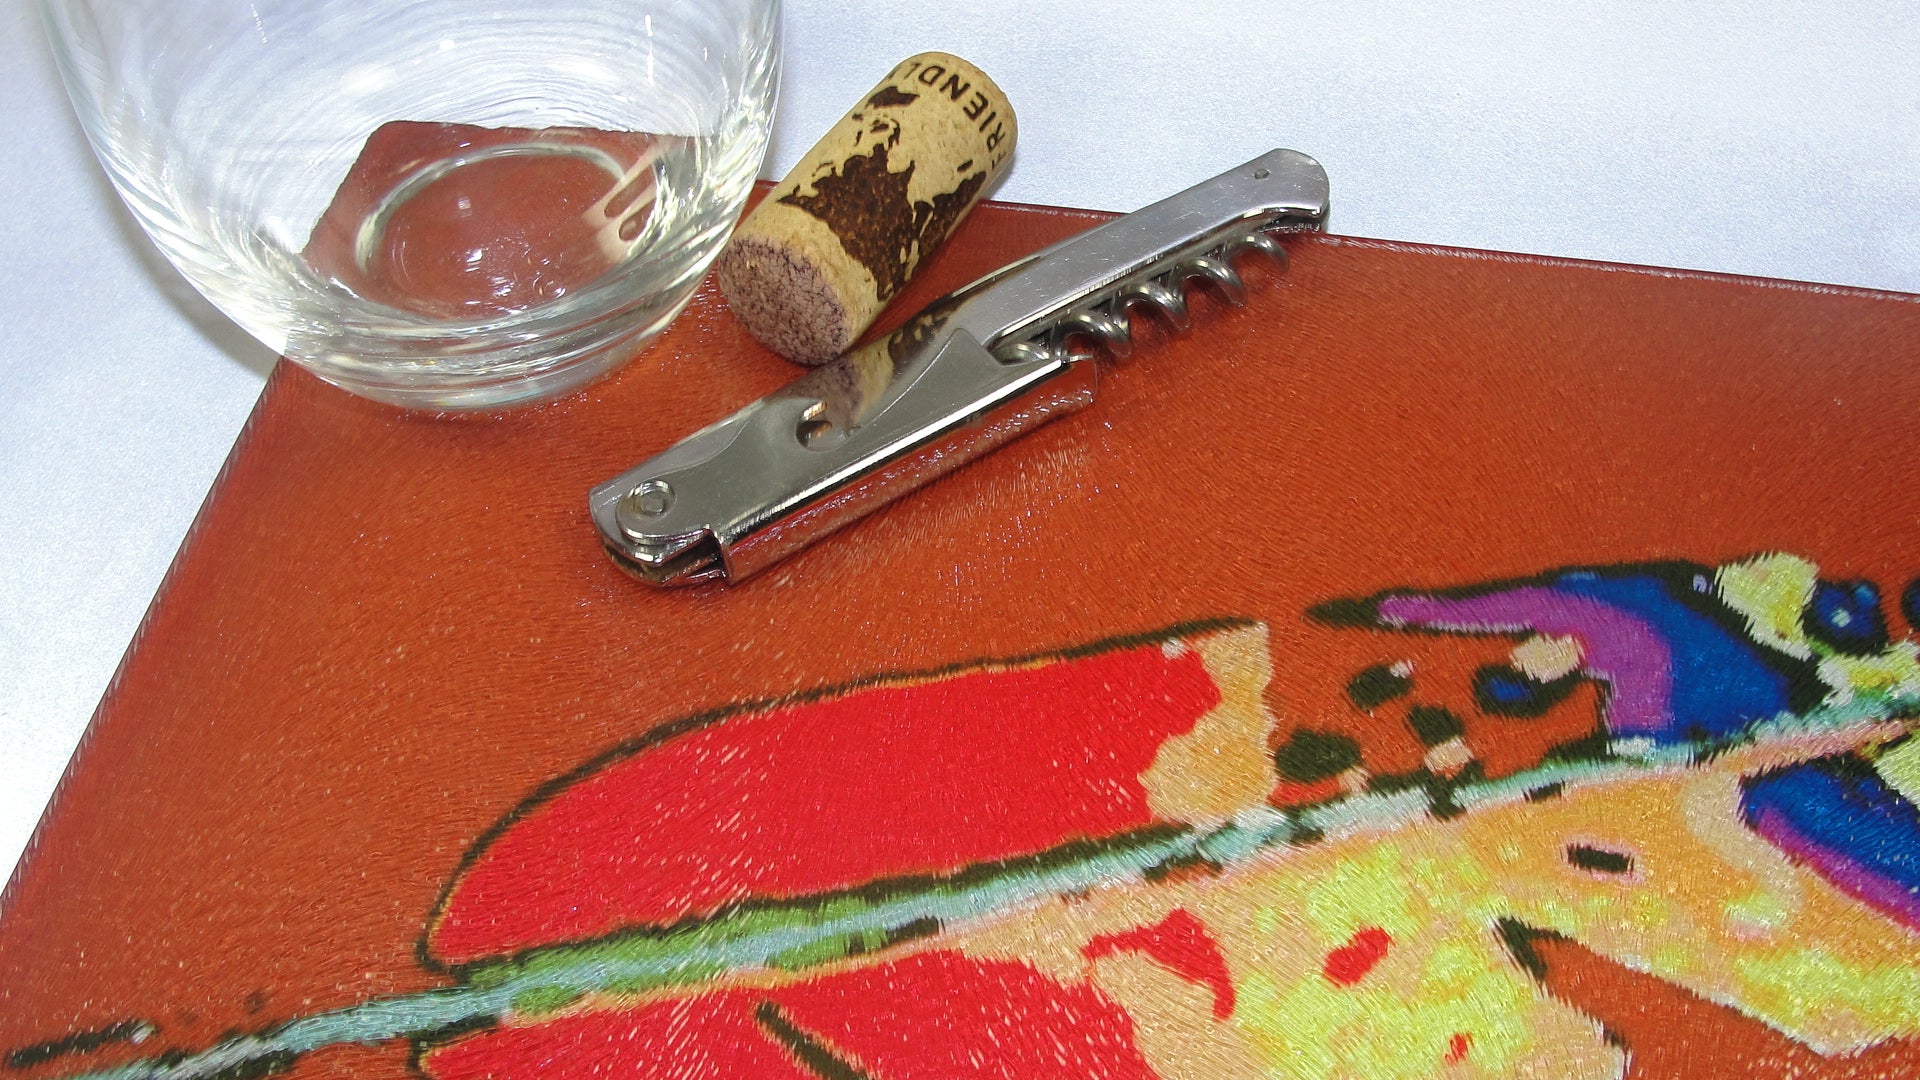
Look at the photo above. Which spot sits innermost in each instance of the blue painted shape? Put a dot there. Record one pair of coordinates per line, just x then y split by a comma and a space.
1722, 684
1841, 818
1846, 615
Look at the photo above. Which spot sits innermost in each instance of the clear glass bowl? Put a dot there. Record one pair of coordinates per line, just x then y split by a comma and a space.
437, 203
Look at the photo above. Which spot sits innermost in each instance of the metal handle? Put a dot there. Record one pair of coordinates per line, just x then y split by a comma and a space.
976, 369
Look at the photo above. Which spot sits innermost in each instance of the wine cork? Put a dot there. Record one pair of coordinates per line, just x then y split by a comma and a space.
811, 268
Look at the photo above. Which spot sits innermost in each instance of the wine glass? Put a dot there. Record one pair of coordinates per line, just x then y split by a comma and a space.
437, 203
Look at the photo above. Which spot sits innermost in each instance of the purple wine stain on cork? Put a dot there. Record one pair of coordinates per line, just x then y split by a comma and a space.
865, 204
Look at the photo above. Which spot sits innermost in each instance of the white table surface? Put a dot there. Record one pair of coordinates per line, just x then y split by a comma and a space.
1774, 137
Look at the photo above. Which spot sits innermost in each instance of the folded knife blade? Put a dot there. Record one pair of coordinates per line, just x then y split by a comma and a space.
975, 369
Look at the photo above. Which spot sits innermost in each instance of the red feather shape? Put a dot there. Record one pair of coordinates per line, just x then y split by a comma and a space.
887, 779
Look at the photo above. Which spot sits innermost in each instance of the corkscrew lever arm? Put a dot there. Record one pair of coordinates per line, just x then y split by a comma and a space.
975, 369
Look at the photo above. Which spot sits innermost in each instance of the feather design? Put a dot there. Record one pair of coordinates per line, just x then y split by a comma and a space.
1125, 861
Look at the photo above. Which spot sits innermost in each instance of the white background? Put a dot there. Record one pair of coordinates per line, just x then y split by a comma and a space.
1773, 138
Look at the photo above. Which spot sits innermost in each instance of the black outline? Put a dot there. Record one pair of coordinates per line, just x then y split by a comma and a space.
80, 1042
1877, 641
809, 1052
1377, 684
1518, 938
1435, 724
1599, 860
1326, 753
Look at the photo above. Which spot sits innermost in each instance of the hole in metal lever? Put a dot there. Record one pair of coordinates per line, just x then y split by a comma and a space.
816, 432
652, 498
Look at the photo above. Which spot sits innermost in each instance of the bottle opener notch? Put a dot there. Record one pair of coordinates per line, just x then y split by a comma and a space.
974, 370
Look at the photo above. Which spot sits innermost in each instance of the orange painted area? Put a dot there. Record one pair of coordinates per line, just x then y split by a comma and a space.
1181, 943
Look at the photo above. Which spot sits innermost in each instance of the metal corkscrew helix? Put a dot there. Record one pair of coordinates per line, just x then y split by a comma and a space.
1160, 289
975, 369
